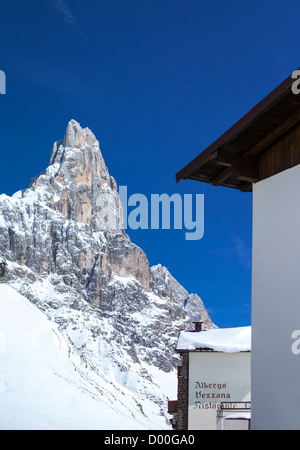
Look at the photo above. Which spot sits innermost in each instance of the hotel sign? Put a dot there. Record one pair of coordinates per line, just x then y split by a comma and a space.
216, 378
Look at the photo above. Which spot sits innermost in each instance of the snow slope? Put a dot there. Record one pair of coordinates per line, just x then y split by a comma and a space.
43, 384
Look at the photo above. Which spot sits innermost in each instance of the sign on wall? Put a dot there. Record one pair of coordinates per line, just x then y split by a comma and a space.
215, 378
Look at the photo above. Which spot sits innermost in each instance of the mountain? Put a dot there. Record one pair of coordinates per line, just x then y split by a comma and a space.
66, 252
46, 384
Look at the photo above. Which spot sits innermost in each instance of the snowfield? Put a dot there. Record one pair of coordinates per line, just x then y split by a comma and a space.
44, 384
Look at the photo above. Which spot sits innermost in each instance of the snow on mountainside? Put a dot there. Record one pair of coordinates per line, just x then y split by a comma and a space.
46, 384
68, 254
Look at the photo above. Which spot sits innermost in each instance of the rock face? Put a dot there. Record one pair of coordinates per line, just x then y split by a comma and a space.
67, 252
81, 180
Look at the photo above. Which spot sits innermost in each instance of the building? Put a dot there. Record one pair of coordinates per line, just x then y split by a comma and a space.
213, 380
261, 154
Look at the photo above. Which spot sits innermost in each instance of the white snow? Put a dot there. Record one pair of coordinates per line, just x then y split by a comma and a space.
220, 340
44, 384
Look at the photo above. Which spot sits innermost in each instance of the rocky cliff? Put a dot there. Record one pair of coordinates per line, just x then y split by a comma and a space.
66, 251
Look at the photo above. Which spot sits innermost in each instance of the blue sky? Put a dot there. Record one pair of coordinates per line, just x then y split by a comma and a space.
157, 82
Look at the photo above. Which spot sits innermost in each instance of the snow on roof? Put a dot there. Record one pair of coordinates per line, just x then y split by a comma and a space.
228, 340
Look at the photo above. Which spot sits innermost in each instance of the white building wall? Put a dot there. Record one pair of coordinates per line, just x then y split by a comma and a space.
276, 302
214, 378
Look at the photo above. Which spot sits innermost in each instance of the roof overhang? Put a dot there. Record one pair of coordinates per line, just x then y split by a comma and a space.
233, 159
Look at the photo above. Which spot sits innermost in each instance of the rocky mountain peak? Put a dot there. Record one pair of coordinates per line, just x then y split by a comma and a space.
77, 182
77, 137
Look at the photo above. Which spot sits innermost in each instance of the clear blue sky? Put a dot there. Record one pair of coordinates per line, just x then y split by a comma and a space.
157, 82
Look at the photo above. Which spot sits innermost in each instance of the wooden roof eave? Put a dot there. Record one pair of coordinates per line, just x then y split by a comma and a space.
243, 167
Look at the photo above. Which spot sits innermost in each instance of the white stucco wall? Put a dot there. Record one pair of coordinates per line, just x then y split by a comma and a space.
276, 302
214, 378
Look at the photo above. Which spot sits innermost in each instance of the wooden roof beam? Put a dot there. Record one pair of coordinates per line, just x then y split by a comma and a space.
241, 168
222, 176
225, 158
246, 174
275, 134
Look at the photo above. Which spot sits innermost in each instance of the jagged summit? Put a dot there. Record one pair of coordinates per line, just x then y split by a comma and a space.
77, 137
67, 252
77, 182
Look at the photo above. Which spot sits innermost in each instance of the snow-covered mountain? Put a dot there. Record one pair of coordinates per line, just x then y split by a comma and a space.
117, 318
46, 383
